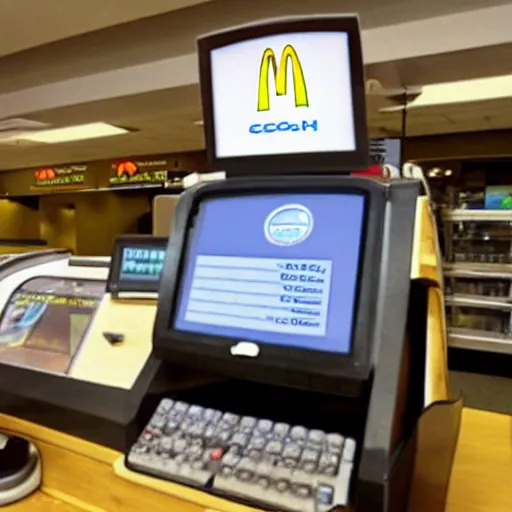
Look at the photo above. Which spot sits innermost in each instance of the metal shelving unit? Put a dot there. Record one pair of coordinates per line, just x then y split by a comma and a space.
478, 279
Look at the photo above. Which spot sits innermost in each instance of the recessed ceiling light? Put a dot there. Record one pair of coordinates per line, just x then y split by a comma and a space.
73, 133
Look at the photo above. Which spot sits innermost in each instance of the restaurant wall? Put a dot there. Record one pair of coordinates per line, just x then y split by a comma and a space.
86, 222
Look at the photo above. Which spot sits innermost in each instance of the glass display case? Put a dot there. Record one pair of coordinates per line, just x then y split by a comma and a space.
478, 278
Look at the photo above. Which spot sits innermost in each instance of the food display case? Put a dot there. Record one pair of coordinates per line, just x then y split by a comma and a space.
57, 367
478, 277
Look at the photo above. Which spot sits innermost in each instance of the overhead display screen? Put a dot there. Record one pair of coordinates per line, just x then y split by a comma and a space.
283, 94
279, 269
45, 322
142, 263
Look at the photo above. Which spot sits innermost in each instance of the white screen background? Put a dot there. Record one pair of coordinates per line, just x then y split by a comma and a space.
325, 61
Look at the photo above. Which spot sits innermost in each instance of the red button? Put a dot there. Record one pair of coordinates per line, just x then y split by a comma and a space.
216, 454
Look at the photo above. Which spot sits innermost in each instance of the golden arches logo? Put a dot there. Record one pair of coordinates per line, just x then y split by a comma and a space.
281, 76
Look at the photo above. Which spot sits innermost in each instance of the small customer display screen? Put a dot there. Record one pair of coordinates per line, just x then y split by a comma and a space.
279, 269
137, 262
142, 263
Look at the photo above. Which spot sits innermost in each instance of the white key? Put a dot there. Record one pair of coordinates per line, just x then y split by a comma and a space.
342, 486
349, 451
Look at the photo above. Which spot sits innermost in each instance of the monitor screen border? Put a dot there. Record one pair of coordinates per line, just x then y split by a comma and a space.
114, 283
296, 163
275, 364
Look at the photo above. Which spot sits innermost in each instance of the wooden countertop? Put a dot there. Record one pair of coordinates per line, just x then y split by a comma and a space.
40, 502
482, 476
481, 479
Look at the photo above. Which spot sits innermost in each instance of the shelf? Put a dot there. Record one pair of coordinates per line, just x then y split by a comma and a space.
478, 270
478, 215
479, 301
479, 340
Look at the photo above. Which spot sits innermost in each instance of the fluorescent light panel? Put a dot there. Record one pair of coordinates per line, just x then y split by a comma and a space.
73, 133
481, 89
462, 92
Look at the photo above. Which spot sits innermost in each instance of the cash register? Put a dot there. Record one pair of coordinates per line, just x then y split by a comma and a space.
300, 295
296, 357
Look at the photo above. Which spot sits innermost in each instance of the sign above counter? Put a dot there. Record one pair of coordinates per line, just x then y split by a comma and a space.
139, 172
67, 177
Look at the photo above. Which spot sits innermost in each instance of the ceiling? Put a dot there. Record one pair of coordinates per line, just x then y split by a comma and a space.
107, 34
172, 129
64, 40
24, 25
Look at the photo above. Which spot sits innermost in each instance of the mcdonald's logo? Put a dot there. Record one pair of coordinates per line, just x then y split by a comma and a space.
288, 56
128, 168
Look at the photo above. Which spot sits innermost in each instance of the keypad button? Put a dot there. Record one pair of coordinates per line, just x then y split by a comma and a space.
282, 485
197, 429
349, 450
230, 460
158, 422
265, 426
166, 443
227, 471
328, 464
299, 434
185, 426
209, 433
171, 426
140, 448
274, 448
335, 443
309, 460
195, 412
216, 454
229, 463
146, 436
212, 416
257, 443
247, 424
194, 452
302, 491
292, 451
282, 479
281, 430
316, 438
245, 470
263, 482
179, 445
165, 406
239, 439
223, 436
179, 409
230, 419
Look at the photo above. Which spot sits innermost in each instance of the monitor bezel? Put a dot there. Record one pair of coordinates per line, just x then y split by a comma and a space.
115, 285
296, 163
287, 366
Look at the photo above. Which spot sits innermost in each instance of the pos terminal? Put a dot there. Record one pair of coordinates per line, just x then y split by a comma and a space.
298, 291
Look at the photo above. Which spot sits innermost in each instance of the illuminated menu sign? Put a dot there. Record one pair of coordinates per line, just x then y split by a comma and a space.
139, 172
68, 176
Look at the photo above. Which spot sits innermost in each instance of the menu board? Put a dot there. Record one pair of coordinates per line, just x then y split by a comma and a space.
69, 177
138, 172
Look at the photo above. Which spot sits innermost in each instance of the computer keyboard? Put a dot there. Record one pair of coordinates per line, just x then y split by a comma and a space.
273, 465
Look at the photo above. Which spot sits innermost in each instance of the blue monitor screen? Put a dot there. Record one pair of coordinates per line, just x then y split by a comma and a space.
142, 263
279, 269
